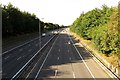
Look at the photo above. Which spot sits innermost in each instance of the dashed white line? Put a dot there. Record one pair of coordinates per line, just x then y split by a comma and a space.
82, 59
18, 58
31, 58
59, 50
32, 70
7, 57
58, 58
45, 59
68, 50
19, 46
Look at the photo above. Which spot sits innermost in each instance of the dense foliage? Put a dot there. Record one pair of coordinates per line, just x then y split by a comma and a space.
16, 22
99, 26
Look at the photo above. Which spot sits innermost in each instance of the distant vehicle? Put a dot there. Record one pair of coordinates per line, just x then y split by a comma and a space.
43, 34
69, 42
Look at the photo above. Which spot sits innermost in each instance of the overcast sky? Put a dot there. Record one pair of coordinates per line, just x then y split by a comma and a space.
59, 11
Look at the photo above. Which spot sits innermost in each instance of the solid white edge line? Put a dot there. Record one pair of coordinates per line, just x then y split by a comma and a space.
72, 69
19, 46
82, 59
30, 60
102, 66
32, 70
59, 50
45, 59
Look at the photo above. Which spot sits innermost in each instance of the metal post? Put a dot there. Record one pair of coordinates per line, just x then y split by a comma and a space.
0, 43
39, 35
53, 29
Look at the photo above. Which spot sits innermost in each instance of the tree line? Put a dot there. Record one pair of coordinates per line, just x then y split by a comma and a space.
99, 26
16, 22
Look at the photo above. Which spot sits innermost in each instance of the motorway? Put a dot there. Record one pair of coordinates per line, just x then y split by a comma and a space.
65, 60
62, 59
14, 59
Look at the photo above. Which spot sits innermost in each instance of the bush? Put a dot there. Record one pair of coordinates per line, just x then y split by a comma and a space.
100, 26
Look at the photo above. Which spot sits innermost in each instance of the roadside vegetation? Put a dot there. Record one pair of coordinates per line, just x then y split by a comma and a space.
21, 26
98, 29
16, 22
100, 26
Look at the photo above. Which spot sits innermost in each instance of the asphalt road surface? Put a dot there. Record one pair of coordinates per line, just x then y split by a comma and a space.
13, 60
62, 58
66, 60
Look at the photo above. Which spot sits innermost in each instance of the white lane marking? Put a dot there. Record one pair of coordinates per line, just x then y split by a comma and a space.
31, 58
32, 69
59, 50
19, 46
56, 73
29, 50
7, 57
45, 59
18, 58
102, 66
58, 58
82, 59
111, 75
68, 50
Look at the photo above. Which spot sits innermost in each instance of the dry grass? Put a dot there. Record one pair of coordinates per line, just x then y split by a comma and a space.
112, 59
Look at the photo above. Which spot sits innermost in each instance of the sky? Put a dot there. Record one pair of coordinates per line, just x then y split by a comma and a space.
62, 12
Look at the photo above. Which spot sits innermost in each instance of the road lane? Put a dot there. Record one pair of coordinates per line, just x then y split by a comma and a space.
16, 58
95, 69
32, 71
59, 63
64, 61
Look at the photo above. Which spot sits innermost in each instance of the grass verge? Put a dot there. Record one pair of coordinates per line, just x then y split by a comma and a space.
14, 41
112, 59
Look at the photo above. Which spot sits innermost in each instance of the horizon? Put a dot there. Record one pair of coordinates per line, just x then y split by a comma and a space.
59, 11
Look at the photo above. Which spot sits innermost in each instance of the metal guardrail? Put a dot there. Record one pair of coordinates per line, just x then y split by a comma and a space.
98, 59
25, 66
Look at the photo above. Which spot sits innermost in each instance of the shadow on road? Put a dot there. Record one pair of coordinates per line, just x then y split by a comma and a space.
61, 56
